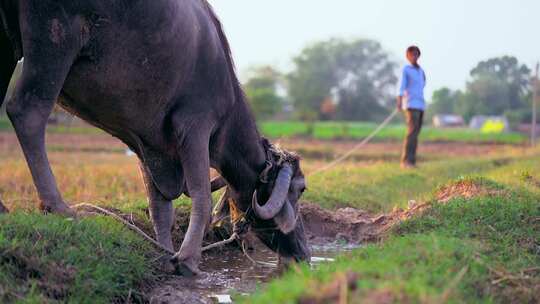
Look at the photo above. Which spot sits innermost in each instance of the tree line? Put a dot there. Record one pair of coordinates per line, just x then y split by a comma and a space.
498, 86
356, 80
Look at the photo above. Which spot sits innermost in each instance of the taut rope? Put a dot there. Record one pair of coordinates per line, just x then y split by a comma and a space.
358, 146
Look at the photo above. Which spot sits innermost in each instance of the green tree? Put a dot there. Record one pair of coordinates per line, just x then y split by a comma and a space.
358, 75
262, 92
498, 86
509, 71
444, 101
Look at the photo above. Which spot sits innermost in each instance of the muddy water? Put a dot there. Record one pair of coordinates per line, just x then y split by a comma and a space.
232, 273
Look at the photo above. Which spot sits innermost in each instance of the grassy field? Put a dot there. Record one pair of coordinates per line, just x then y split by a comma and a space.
335, 131
344, 130
52, 259
477, 250
382, 186
92, 167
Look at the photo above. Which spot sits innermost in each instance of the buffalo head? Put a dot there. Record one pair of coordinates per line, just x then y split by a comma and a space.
276, 218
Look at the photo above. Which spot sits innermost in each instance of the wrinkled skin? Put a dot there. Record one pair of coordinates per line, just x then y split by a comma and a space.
158, 75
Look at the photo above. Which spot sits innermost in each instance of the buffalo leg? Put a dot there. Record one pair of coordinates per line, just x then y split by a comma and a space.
50, 45
195, 161
7, 66
161, 211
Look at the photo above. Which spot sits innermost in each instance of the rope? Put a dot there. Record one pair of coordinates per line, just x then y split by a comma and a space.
234, 237
128, 224
255, 262
358, 146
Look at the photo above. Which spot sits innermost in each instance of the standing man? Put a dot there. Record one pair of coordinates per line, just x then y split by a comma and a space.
411, 101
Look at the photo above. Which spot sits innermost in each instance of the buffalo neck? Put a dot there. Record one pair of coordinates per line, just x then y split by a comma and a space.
239, 153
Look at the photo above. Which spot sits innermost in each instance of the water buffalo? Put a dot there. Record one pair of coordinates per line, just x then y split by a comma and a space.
159, 76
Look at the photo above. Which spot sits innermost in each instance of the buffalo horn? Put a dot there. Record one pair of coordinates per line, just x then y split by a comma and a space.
277, 198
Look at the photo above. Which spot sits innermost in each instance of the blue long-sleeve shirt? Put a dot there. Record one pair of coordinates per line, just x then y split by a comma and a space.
413, 82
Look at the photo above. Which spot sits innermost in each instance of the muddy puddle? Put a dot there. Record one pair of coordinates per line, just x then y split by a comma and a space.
231, 273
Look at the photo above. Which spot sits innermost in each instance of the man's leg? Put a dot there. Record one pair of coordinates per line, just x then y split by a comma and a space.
416, 117
414, 120
418, 121
407, 145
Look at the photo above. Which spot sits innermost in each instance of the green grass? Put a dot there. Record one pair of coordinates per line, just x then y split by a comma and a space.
347, 130
380, 187
102, 261
53, 259
5, 125
334, 130
480, 250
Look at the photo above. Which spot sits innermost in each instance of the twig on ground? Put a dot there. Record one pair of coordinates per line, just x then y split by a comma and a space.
532, 269
233, 238
254, 261
125, 222
448, 292
129, 296
507, 277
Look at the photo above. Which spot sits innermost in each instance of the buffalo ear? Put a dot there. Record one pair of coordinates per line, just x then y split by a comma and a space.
286, 219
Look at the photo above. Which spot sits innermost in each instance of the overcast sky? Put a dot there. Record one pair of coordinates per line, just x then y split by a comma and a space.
453, 34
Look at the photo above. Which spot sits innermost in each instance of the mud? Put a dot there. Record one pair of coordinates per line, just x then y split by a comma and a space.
351, 225
228, 272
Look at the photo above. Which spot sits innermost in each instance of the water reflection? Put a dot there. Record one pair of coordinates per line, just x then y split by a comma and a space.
232, 273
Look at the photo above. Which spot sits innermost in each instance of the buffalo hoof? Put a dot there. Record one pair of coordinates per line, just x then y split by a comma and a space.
285, 264
58, 208
185, 268
166, 265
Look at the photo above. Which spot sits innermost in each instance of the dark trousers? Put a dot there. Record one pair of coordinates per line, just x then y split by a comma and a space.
414, 120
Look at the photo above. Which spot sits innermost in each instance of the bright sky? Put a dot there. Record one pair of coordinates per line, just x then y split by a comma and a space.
454, 35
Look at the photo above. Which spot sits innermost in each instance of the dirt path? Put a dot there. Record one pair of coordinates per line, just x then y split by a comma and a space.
308, 148
390, 151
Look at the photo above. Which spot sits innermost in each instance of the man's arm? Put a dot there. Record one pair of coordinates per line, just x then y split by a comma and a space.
400, 103
402, 89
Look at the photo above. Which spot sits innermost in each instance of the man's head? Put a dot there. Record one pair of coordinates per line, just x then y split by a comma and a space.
413, 54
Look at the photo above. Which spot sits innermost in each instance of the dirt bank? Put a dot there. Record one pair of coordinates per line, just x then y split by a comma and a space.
227, 270
351, 225
357, 226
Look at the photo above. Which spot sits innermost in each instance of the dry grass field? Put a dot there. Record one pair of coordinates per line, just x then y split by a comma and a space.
93, 167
